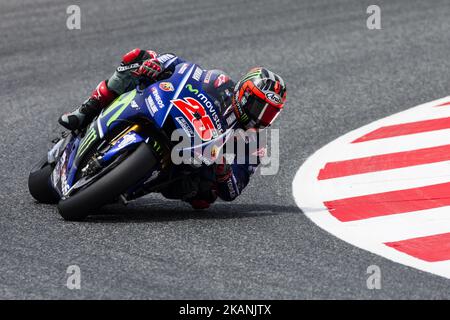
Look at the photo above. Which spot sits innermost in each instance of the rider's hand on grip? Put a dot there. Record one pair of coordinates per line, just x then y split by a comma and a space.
150, 68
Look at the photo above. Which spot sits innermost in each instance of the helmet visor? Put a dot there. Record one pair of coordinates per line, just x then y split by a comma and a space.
260, 111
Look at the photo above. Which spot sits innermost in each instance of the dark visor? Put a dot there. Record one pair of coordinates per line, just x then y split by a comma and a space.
255, 107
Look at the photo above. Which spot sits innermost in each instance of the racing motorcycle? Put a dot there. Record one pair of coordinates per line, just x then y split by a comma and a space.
126, 152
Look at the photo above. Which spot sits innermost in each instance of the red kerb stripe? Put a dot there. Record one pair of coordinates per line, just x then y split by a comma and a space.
405, 129
387, 203
431, 248
384, 162
443, 104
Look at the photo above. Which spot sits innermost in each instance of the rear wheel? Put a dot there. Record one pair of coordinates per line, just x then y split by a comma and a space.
110, 186
39, 183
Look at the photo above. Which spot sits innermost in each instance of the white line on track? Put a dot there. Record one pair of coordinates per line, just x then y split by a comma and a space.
384, 181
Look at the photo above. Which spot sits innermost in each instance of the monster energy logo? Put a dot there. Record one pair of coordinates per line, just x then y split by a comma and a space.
251, 75
90, 137
244, 117
157, 147
118, 106
189, 87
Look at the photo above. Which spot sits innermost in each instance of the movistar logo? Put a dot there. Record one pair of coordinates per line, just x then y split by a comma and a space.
191, 89
212, 110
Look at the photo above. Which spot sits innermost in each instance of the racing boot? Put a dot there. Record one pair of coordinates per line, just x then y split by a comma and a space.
83, 115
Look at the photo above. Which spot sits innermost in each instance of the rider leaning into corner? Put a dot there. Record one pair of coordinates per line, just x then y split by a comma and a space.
251, 99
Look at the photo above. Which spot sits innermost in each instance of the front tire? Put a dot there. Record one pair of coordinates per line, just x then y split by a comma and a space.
39, 183
110, 186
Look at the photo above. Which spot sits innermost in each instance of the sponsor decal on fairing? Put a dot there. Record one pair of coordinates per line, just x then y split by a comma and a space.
207, 77
183, 68
197, 74
157, 97
166, 86
185, 126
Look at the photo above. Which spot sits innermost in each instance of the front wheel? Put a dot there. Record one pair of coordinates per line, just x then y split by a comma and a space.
129, 172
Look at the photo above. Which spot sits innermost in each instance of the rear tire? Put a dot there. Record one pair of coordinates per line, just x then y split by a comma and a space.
110, 186
39, 183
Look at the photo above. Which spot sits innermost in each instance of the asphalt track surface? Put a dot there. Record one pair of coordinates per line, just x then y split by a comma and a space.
340, 76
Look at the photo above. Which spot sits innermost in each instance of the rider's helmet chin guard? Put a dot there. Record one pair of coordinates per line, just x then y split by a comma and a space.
259, 98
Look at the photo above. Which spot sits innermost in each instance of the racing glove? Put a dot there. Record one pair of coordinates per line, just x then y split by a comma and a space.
150, 68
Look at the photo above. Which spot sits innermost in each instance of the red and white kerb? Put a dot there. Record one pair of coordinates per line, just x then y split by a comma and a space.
386, 187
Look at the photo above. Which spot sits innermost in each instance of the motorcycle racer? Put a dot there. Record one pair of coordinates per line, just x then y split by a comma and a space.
254, 102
